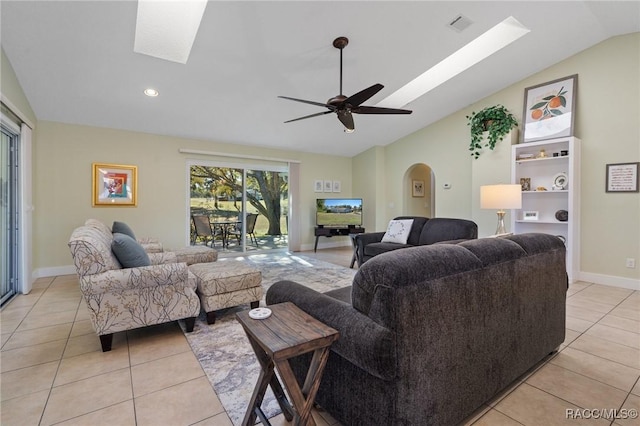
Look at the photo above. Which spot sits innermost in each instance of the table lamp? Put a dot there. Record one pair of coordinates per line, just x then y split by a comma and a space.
501, 197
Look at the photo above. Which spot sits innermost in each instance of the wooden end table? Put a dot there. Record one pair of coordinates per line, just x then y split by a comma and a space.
287, 333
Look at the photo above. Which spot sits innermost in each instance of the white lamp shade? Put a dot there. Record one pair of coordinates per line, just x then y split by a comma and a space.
500, 197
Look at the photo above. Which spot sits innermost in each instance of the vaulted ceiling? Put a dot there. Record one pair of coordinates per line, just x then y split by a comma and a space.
76, 64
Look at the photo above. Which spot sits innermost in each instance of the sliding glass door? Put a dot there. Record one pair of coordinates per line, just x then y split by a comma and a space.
238, 209
9, 208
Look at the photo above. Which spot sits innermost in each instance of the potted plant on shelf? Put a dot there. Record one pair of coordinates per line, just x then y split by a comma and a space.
497, 120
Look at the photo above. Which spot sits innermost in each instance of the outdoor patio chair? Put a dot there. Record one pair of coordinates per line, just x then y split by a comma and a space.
250, 231
205, 229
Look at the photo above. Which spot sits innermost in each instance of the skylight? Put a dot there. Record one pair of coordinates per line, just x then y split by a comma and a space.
167, 29
503, 34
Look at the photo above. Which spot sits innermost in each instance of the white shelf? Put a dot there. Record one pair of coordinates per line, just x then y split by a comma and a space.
533, 222
557, 191
534, 160
541, 173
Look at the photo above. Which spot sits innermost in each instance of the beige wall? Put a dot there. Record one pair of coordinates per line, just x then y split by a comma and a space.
607, 121
62, 181
368, 177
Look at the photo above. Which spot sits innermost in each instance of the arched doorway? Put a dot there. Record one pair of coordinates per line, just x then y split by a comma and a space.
419, 196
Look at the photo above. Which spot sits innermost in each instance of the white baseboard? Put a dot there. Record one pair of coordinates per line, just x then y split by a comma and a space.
53, 271
610, 280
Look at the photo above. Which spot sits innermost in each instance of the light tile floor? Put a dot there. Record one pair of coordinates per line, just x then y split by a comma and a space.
53, 371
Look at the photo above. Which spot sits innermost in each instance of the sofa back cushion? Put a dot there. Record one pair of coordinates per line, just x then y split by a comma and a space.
383, 281
91, 250
444, 229
379, 279
416, 228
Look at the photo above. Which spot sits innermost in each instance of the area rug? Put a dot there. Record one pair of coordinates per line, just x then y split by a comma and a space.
223, 349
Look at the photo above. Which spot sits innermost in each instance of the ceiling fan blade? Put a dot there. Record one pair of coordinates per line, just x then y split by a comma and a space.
346, 118
363, 95
376, 110
320, 104
309, 116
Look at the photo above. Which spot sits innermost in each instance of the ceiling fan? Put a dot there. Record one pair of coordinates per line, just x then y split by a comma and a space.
344, 106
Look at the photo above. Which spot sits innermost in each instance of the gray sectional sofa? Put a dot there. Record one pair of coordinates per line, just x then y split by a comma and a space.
430, 333
424, 231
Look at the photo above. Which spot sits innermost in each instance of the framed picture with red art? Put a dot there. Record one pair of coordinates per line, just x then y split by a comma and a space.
114, 185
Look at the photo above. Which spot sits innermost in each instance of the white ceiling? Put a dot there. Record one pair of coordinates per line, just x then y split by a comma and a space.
76, 64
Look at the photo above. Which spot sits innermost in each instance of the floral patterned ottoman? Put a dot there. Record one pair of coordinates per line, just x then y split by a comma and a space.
226, 284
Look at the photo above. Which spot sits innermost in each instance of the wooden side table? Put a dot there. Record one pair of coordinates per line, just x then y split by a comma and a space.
287, 333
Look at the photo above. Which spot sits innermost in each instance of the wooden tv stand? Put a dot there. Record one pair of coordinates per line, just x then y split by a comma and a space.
330, 231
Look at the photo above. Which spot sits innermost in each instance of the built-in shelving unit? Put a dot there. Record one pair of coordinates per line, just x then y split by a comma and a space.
539, 206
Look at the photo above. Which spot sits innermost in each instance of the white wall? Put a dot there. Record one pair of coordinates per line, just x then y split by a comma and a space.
607, 122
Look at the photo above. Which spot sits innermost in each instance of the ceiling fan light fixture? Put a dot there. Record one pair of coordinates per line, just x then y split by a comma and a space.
485, 45
346, 130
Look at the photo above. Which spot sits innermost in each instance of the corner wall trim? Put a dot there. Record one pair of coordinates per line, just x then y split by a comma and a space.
610, 280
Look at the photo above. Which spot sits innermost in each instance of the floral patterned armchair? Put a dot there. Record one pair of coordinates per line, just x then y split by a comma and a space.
121, 298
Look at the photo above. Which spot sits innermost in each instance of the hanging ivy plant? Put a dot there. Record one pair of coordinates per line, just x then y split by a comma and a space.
497, 120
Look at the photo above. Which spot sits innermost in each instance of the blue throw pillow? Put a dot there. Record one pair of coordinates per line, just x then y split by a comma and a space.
123, 228
129, 252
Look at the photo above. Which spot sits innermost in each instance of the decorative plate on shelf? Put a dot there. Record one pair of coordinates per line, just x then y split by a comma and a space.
560, 181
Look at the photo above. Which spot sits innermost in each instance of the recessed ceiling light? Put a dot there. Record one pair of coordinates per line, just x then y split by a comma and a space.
151, 92
167, 29
503, 34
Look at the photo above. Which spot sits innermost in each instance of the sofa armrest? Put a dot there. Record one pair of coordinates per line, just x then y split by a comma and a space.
162, 258
119, 280
363, 342
367, 238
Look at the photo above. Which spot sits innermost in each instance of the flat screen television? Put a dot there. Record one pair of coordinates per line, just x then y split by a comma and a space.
339, 212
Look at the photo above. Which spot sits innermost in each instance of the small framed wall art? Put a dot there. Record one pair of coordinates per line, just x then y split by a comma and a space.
318, 185
622, 177
328, 186
417, 188
337, 186
549, 109
114, 185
